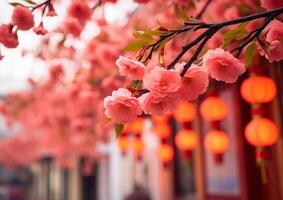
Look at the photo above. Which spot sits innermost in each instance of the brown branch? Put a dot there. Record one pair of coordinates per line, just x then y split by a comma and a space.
213, 28
199, 16
45, 3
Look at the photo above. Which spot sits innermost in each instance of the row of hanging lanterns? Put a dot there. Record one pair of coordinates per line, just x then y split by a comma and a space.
136, 144
162, 129
216, 141
260, 132
186, 139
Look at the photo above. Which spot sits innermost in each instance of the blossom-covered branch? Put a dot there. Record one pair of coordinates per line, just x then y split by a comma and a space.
213, 28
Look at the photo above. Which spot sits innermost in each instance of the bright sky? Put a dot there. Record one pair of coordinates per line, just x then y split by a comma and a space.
15, 69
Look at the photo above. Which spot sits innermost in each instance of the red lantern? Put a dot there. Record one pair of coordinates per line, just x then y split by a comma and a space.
160, 119
138, 148
137, 126
186, 141
163, 130
258, 89
186, 112
213, 109
216, 142
123, 143
261, 132
165, 153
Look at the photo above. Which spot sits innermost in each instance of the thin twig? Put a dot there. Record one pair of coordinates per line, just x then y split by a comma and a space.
42, 4
199, 49
198, 16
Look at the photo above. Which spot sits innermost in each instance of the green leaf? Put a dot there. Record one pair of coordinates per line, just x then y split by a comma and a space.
137, 84
181, 12
235, 34
155, 32
30, 2
136, 45
14, 4
250, 53
119, 128
142, 35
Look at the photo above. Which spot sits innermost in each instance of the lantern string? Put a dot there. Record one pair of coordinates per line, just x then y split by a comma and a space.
263, 172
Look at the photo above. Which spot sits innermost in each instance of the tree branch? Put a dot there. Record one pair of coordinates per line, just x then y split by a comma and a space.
199, 16
213, 28
47, 2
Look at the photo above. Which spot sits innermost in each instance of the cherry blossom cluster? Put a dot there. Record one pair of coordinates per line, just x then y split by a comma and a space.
166, 87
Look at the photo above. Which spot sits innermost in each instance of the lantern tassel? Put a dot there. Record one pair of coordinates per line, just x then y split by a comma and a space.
263, 172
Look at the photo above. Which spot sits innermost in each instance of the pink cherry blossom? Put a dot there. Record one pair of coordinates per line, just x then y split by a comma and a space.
274, 36
132, 69
7, 37
270, 4
273, 51
121, 107
222, 65
51, 11
162, 82
231, 13
159, 105
275, 31
23, 18
73, 26
194, 82
80, 10
40, 30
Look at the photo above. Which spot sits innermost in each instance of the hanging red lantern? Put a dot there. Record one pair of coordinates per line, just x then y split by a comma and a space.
186, 141
165, 153
217, 142
138, 148
258, 89
213, 109
163, 130
261, 132
123, 143
186, 112
137, 126
160, 119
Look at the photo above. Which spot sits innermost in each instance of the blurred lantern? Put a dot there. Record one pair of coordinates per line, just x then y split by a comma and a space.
123, 143
261, 132
127, 129
217, 142
186, 141
213, 109
160, 119
186, 112
138, 148
137, 126
163, 130
258, 89
123, 140
165, 153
